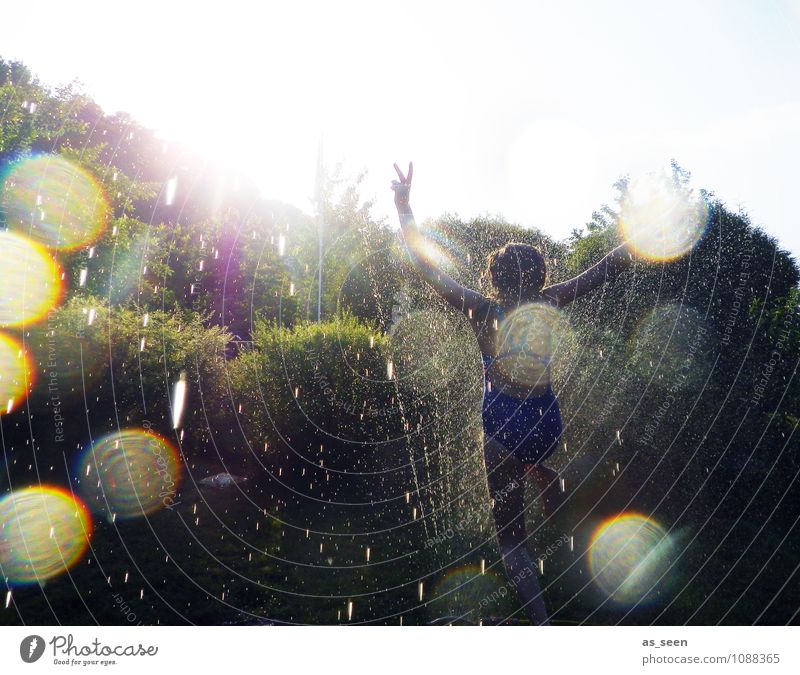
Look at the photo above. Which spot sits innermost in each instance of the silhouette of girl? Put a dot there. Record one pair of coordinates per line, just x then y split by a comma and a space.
521, 417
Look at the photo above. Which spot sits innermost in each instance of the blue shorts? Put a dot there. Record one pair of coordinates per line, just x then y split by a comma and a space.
530, 427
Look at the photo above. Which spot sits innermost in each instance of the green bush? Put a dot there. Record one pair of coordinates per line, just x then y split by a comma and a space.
317, 390
122, 370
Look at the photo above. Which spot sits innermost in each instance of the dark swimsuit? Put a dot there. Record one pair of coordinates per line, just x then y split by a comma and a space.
529, 427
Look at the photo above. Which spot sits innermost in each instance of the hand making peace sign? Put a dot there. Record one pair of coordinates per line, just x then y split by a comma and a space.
402, 188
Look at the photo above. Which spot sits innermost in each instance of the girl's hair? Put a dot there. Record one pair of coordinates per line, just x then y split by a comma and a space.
517, 270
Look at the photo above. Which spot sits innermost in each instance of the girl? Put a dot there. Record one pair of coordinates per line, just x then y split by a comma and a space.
521, 417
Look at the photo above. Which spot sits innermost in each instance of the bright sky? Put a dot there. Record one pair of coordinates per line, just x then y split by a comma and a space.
527, 109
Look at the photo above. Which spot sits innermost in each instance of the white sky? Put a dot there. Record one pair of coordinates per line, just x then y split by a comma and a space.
527, 109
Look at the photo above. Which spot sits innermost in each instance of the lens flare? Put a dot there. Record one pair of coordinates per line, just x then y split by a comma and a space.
30, 279
15, 373
429, 348
628, 555
44, 532
433, 247
672, 345
53, 201
529, 341
473, 594
661, 220
130, 473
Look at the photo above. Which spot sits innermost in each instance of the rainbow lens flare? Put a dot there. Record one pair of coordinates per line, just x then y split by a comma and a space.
629, 557
130, 473
30, 279
15, 373
434, 248
45, 530
661, 220
53, 201
528, 341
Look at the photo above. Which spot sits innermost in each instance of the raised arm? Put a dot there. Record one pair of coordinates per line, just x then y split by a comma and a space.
468, 301
609, 267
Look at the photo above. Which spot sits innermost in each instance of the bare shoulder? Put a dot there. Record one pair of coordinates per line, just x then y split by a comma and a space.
559, 295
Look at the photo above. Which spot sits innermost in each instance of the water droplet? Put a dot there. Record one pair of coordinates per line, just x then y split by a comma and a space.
169, 193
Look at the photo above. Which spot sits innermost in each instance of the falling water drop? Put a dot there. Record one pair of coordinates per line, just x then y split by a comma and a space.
179, 400
172, 186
